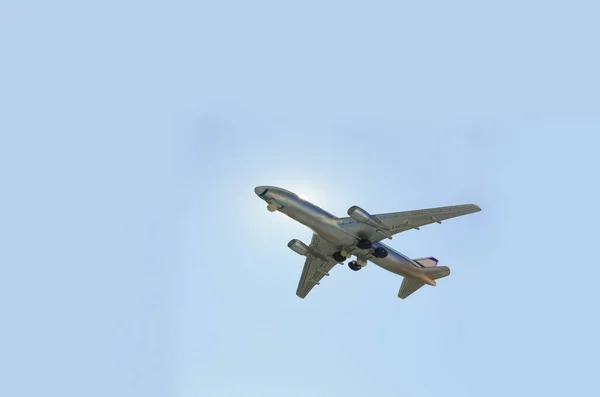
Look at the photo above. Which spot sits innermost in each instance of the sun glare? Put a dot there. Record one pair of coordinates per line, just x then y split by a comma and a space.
308, 192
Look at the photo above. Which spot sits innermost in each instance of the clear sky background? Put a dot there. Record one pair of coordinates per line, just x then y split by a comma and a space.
136, 260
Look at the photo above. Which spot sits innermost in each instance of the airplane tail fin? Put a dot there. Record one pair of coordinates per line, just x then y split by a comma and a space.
411, 284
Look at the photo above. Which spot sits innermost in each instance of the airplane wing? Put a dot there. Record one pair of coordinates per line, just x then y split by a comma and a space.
397, 222
316, 267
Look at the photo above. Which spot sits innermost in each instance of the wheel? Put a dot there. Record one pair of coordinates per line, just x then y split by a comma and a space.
364, 244
272, 207
354, 266
380, 252
338, 257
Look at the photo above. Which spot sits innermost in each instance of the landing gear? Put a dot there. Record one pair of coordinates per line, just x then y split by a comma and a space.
380, 252
364, 244
354, 266
273, 205
338, 257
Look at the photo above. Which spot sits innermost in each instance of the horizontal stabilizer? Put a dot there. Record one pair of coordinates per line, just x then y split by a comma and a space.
411, 284
436, 272
427, 262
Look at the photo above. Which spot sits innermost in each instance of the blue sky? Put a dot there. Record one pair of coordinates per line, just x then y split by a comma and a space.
136, 260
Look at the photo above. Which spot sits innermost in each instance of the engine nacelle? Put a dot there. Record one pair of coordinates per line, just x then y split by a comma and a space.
359, 214
355, 212
298, 247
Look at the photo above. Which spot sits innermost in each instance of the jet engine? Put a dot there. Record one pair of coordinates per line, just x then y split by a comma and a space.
298, 247
363, 216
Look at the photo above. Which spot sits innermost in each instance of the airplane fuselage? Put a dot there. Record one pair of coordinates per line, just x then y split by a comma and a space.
328, 227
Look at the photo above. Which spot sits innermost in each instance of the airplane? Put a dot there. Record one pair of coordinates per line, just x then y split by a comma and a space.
360, 234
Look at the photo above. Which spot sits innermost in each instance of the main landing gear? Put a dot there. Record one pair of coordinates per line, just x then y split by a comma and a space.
354, 266
338, 257
362, 244
380, 252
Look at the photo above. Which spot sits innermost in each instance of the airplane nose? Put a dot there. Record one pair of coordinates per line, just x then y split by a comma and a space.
260, 190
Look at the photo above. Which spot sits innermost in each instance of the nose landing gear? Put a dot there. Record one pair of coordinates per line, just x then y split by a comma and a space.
273, 205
